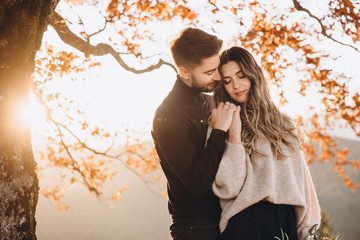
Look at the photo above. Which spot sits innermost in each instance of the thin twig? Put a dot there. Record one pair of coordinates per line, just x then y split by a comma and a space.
75, 165
213, 4
323, 28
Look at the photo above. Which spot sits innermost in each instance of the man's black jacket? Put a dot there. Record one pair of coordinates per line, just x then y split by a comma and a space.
179, 134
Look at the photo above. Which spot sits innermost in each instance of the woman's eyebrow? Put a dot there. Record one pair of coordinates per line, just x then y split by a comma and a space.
240, 71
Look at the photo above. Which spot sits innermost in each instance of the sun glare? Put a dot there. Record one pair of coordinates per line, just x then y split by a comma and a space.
33, 114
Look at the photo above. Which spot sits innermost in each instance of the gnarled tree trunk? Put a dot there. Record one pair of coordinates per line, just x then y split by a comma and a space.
22, 24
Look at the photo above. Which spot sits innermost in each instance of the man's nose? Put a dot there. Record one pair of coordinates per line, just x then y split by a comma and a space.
217, 76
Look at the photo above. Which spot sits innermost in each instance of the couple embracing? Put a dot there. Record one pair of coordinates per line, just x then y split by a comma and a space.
233, 161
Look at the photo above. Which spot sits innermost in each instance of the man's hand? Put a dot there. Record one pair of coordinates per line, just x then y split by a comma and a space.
221, 117
235, 128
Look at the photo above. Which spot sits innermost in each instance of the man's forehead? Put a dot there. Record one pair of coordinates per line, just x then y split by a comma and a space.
210, 63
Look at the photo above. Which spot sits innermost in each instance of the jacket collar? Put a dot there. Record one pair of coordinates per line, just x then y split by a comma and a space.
184, 91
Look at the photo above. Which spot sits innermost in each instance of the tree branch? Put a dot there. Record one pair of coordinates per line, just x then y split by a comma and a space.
99, 31
75, 165
213, 4
81, 22
323, 28
68, 37
105, 154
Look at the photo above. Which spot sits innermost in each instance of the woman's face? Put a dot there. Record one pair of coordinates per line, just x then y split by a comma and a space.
236, 85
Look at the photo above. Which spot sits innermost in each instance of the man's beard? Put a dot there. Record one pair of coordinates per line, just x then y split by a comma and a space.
206, 88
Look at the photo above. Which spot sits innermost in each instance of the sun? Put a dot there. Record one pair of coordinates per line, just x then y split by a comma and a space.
32, 114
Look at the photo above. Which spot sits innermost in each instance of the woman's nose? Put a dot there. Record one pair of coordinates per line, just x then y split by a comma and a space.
236, 85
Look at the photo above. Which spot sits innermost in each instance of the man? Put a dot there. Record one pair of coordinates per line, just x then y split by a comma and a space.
179, 133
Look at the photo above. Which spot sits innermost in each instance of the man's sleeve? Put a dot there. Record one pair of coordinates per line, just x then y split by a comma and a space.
195, 170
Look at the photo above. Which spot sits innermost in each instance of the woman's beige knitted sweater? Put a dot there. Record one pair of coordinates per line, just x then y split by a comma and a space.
240, 183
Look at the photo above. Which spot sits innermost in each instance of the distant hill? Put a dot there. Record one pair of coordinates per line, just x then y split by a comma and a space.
141, 215
342, 204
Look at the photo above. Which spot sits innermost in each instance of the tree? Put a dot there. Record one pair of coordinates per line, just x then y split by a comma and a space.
283, 37
18, 181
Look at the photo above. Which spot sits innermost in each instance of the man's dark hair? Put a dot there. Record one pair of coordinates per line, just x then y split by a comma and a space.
192, 46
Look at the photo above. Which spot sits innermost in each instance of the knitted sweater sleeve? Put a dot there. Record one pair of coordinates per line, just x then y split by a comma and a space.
309, 215
231, 174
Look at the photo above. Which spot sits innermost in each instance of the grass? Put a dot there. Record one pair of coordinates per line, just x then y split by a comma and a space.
315, 234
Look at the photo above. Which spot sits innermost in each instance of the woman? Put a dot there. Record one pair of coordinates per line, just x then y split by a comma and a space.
263, 182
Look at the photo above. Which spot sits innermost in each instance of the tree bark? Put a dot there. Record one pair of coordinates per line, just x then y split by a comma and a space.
22, 24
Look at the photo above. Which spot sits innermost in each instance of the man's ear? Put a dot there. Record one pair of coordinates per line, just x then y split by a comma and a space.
184, 73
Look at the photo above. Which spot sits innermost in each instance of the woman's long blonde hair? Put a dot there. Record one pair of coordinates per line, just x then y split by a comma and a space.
259, 115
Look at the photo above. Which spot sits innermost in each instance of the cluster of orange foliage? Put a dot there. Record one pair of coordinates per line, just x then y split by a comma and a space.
280, 43
74, 156
131, 17
350, 11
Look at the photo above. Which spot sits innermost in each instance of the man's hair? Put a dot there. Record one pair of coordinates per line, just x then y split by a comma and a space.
193, 45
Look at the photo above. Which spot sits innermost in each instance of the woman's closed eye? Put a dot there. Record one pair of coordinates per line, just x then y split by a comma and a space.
240, 76
227, 80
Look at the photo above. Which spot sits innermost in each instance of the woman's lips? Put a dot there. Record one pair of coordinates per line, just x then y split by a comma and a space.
240, 93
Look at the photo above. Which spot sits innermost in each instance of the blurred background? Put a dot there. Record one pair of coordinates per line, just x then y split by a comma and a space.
104, 66
140, 214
